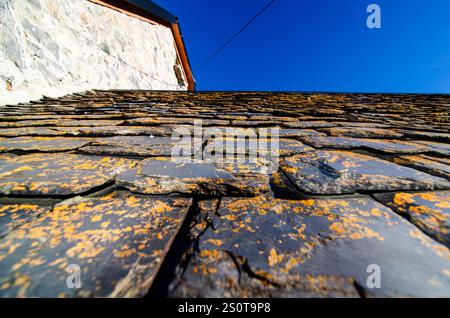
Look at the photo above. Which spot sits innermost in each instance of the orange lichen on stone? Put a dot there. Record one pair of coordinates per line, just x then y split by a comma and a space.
86, 231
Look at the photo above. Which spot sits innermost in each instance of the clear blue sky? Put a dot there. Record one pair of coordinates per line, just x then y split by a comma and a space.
318, 45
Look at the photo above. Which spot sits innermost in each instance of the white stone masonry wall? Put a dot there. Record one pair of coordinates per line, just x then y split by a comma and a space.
55, 47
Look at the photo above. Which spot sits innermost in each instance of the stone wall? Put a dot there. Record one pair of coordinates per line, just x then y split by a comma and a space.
55, 47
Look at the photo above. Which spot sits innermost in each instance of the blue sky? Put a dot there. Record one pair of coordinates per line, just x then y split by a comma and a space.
318, 45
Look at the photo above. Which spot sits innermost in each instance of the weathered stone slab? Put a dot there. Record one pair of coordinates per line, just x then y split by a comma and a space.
438, 159
60, 122
43, 144
175, 121
135, 146
282, 187
231, 117
429, 211
256, 146
106, 131
289, 147
337, 172
427, 134
437, 147
6, 157
59, 174
386, 146
29, 131
226, 132
296, 133
255, 123
263, 247
15, 215
362, 124
272, 118
425, 164
164, 176
117, 242
309, 124
361, 132
44, 116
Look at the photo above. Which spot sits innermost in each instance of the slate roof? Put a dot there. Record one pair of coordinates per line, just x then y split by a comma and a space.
87, 180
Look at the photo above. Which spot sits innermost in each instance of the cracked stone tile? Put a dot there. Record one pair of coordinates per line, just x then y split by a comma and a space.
429, 211
118, 242
309, 124
107, 131
164, 176
13, 216
282, 187
59, 174
43, 144
361, 132
425, 164
219, 277
339, 172
256, 147
386, 146
135, 146
262, 247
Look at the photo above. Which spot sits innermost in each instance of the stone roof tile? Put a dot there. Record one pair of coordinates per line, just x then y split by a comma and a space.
88, 179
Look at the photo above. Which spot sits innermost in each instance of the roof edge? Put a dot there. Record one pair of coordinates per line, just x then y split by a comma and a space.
150, 12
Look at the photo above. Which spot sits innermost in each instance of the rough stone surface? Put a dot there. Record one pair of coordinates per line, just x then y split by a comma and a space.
133, 146
47, 144
382, 145
437, 147
296, 133
427, 134
111, 131
309, 124
337, 172
311, 248
59, 174
361, 132
58, 122
7, 157
164, 176
13, 216
301, 231
426, 164
286, 147
429, 211
28, 131
58, 47
119, 243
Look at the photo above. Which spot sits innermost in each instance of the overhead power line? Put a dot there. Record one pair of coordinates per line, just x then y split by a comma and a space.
236, 34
